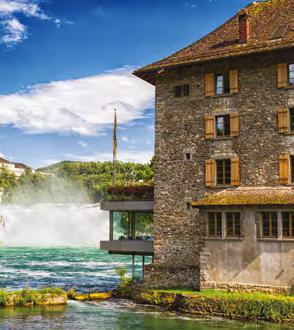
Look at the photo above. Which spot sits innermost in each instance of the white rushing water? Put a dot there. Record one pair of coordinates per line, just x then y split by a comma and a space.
53, 225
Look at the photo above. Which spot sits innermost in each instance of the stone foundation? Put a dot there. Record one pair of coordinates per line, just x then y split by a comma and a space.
241, 287
160, 276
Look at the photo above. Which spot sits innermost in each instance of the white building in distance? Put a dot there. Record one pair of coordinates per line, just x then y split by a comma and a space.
17, 168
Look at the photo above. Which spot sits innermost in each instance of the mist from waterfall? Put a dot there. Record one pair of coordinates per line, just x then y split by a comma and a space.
53, 224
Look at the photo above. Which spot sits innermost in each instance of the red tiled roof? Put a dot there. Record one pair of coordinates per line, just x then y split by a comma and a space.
271, 28
4, 161
249, 196
20, 165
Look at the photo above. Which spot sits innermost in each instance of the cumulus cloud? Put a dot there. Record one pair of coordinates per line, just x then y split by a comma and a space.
83, 144
83, 106
13, 30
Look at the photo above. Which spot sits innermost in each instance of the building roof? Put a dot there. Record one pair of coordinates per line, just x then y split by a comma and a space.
21, 165
271, 28
16, 165
4, 161
249, 196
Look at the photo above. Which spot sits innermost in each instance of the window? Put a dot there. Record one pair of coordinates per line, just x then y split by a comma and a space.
182, 90
291, 74
288, 224
269, 224
188, 206
215, 224
223, 125
143, 225
132, 225
291, 112
223, 172
233, 224
187, 156
292, 168
222, 84
121, 225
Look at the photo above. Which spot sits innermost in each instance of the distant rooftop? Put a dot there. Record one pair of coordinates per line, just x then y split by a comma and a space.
270, 27
17, 165
249, 196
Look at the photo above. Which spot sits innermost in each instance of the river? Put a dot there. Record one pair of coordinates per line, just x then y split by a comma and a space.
31, 257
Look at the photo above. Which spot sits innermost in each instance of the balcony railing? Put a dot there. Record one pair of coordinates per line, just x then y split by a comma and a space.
128, 246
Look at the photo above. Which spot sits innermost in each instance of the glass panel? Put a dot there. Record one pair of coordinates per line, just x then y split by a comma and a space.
121, 225
274, 232
215, 224
223, 172
291, 74
219, 84
219, 224
186, 90
220, 125
269, 224
226, 83
292, 120
227, 171
178, 91
220, 171
237, 224
233, 224
143, 225
288, 224
292, 169
227, 125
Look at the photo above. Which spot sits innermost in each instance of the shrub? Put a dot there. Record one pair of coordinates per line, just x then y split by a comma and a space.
125, 282
135, 192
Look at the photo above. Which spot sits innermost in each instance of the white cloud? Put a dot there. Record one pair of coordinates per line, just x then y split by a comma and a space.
83, 144
14, 30
83, 106
126, 139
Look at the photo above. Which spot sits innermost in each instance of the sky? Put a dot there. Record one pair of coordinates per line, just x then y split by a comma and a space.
66, 64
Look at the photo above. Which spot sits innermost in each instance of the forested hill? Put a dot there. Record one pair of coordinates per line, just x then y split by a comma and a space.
71, 181
96, 177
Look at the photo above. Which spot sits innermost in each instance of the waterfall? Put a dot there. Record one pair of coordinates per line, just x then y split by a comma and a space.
53, 225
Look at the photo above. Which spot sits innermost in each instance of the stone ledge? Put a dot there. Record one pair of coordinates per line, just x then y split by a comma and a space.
246, 287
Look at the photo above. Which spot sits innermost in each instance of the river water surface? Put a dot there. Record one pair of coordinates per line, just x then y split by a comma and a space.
30, 257
87, 269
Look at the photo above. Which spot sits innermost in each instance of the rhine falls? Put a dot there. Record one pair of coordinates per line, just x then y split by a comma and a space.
53, 225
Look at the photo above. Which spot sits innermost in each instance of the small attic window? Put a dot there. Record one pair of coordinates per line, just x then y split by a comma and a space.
279, 32
182, 90
188, 156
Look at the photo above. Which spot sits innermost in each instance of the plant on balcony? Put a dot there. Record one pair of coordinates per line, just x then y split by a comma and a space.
131, 192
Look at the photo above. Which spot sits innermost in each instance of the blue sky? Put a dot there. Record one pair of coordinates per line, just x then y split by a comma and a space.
65, 64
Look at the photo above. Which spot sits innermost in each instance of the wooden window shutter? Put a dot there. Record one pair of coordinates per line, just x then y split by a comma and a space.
209, 84
282, 75
284, 120
210, 173
235, 171
234, 81
284, 169
209, 127
234, 125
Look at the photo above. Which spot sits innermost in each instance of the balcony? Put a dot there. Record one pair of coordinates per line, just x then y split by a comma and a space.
128, 246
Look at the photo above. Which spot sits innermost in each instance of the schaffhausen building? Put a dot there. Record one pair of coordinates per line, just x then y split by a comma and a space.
224, 155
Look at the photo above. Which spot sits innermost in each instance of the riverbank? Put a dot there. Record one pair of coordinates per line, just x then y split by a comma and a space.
231, 305
31, 297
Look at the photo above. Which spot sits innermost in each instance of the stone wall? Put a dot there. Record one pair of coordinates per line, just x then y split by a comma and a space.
179, 128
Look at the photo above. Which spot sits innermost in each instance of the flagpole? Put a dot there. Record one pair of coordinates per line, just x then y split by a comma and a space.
114, 148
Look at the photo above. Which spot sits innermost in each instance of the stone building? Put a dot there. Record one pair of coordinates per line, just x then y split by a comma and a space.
224, 155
